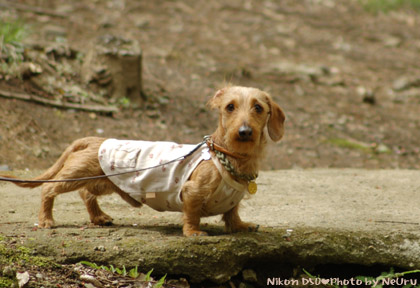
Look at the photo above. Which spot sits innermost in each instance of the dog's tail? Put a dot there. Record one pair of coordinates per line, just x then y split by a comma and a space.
77, 145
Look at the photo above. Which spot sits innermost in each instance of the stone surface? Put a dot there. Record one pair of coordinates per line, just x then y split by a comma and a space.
249, 275
307, 217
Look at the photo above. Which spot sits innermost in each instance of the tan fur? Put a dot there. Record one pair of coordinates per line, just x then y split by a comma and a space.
248, 107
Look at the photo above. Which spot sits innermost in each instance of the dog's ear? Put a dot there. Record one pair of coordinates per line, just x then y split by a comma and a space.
275, 123
216, 100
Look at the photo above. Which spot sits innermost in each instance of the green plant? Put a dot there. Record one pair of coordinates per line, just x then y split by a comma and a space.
7, 282
376, 6
133, 273
160, 282
22, 255
350, 144
111, 268
148, 277
12, 32
124, 102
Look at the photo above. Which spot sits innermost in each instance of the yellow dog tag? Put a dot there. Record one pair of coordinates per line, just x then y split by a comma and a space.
252, 187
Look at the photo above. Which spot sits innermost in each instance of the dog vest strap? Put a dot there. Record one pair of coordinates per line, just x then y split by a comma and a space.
231, 182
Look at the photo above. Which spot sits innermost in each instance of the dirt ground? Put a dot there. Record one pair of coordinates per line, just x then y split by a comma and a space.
346, 78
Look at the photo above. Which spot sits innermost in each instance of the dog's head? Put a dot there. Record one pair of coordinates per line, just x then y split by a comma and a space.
244, 114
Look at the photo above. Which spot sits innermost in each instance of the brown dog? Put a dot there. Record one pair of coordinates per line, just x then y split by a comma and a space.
208, 189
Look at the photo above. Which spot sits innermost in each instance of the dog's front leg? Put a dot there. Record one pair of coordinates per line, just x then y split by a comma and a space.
192, 209
191, 219
192, 225
233, 222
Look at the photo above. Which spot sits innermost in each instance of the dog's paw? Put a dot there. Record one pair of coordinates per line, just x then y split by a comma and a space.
107, 223
243, 227
102, 220
49, 223
194, 233
253, 227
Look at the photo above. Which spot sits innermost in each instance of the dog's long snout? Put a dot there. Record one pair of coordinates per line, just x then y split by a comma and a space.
245, 132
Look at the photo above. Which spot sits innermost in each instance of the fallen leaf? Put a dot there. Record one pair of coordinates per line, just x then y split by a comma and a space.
22, 278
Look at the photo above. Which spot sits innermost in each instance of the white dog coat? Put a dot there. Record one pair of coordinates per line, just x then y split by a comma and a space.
164, 182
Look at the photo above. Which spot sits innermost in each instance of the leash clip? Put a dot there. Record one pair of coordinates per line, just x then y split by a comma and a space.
209, 142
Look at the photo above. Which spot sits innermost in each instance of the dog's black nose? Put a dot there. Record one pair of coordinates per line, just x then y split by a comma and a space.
245, 132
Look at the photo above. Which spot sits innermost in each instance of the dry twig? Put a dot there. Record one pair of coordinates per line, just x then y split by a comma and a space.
58, 104
34, 9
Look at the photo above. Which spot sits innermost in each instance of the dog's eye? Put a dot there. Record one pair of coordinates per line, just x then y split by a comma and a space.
258, 108
230, 107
